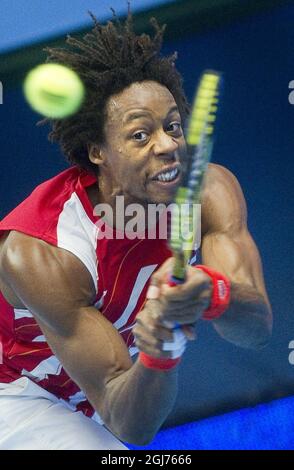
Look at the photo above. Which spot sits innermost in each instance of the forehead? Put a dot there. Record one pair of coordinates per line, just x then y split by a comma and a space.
149, 96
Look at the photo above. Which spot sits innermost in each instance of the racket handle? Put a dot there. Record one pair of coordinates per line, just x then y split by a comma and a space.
178, 272
174, 281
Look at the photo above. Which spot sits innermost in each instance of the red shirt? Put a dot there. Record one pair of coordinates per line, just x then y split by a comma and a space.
60, 213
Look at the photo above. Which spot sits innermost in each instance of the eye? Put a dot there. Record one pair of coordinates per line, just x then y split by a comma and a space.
140, 136
174, 127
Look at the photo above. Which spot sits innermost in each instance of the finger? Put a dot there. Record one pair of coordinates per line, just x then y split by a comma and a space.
173, 300
155, 352
150, 350
185, 291
188, 330
153, 309
153, 292
160, 275
159, 352
184, 306
147, 339
182, 318
157, 333
185, 315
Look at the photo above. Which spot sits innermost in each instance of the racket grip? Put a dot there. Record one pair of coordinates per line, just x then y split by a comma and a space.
173, 281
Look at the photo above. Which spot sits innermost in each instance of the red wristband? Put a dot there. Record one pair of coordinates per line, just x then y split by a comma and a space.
220, 298
158, 363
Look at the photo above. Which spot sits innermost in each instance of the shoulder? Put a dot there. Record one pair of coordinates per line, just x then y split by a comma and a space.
223, 203
20, 250
220, 178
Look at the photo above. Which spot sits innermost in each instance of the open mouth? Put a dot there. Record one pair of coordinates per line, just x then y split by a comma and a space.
167, 176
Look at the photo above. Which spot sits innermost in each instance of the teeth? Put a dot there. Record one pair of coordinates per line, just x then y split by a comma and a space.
168, 176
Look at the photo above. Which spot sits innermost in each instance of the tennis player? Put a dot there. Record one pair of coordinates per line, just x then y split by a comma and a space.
75, 306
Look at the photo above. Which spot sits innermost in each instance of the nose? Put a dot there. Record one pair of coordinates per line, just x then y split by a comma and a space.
165, 145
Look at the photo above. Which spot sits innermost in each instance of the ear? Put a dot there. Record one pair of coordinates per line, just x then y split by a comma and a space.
96, 154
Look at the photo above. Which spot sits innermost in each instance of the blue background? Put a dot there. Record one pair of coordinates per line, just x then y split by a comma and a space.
25, 22
255, 141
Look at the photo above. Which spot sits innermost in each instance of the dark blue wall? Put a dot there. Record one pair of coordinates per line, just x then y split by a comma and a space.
255, 141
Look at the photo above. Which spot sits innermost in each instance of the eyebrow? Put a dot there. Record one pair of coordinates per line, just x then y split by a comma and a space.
139, 114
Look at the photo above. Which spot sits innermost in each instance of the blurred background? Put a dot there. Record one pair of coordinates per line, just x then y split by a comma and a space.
253, 44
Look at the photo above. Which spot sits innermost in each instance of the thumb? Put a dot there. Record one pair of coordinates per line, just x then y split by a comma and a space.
158, 278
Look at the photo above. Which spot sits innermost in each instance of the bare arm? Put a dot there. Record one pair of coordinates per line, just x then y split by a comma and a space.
55, 286
228, 247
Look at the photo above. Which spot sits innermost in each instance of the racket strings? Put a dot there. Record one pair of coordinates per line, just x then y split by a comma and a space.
199, 134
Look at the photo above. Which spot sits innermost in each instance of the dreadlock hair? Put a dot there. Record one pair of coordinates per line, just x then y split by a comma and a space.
109, 59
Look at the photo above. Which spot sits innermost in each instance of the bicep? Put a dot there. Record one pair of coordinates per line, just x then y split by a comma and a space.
227, 244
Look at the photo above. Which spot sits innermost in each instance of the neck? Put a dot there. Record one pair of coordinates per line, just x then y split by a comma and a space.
115, 209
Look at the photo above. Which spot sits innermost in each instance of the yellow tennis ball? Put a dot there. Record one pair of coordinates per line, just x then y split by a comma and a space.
54, 90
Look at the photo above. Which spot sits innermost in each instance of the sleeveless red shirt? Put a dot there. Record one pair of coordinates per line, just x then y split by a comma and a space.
59, 212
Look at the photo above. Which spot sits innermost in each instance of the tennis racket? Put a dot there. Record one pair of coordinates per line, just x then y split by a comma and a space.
199, 138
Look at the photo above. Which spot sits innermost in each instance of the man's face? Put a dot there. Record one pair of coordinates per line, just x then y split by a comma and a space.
144, 145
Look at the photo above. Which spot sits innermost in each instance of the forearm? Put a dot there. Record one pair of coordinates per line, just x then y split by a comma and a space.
139, 401
247, 322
